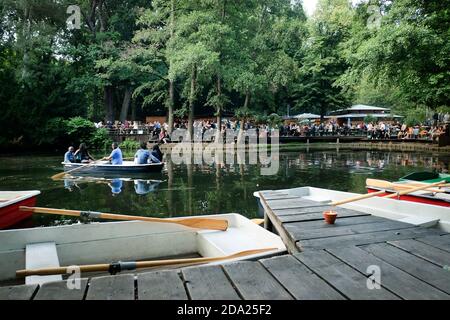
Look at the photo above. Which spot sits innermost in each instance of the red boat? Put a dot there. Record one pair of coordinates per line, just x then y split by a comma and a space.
10, 201
421, 197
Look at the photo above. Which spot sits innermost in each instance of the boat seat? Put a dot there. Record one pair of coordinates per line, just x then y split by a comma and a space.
41, 255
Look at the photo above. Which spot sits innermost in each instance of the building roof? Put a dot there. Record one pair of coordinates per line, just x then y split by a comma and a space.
363, 115
361, 107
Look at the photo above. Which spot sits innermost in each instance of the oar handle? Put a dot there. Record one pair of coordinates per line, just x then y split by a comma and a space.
120, 266
357, 198
197, 223
401, 193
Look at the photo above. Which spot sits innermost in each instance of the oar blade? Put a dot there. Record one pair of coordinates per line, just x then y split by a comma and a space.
199, 223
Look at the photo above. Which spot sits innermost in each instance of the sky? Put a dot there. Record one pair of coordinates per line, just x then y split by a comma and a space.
310, 5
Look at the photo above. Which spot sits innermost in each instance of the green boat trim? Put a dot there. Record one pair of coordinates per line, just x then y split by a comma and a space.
427, 177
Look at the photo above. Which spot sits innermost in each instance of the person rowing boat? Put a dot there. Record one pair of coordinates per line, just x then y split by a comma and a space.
115, 157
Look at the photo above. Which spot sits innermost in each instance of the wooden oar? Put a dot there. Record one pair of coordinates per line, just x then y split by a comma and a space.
61, 174
374, 194
401, 193
197, 223
133, 265
397, 186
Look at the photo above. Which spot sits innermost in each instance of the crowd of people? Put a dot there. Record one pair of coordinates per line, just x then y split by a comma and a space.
379, 130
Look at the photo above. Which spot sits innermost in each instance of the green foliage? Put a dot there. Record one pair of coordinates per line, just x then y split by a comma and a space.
130, 145
100, 139
274, 120
370, 119
415, 117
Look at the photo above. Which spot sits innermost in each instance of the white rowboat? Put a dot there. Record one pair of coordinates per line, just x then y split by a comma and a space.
107, 242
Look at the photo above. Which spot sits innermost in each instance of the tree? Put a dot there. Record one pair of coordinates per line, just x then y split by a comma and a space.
318, 90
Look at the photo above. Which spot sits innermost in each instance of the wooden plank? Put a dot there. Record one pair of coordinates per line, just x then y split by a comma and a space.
313, 216
209, 283
120, 287
21, 292
343, 278
340, 221
424, 251
276, 224
58, 290
345, 230
438, 241
301, 283
160, 285
422, 269
342, 212
366, 238
392, 278
293, 203
254, 282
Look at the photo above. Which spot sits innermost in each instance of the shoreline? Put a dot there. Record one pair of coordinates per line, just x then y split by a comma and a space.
378, 146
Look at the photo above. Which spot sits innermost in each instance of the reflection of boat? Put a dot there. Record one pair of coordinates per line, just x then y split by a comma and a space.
405, 211
127, 241
9, 206
145, 186
141, 186
105, 167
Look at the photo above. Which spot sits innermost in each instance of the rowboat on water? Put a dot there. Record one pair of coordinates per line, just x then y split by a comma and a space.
419, 214
105, 167
106, 242
10, 201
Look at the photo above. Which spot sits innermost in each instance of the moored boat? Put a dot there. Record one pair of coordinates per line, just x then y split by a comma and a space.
10, 201
106, 242
105, 167
426, 177
438, 197
419, 214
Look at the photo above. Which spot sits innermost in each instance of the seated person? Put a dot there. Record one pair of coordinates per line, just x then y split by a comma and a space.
69, 156
82, 154
115, 157
156, 152
142, 155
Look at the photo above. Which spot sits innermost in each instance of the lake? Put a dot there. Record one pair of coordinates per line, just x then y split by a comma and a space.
183, 190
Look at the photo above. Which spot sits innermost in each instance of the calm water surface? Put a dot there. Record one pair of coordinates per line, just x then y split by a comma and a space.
182, 190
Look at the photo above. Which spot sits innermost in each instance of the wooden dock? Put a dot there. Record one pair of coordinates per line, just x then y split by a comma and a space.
324, 262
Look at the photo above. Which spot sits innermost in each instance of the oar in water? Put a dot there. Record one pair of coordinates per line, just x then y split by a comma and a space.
133, 265
197, 223
61, 174
398, 186
374, 194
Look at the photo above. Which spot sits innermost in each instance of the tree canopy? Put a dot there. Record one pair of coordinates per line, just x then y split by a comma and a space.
130, 58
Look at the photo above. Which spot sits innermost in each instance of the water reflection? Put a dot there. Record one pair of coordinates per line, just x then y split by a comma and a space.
141, 187
197, 189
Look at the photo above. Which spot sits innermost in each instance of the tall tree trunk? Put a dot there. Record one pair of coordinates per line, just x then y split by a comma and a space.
26, 33
171, 82
171, 105
133, 110
125, 104
109, 103
242, 121
219, 111
192, 102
